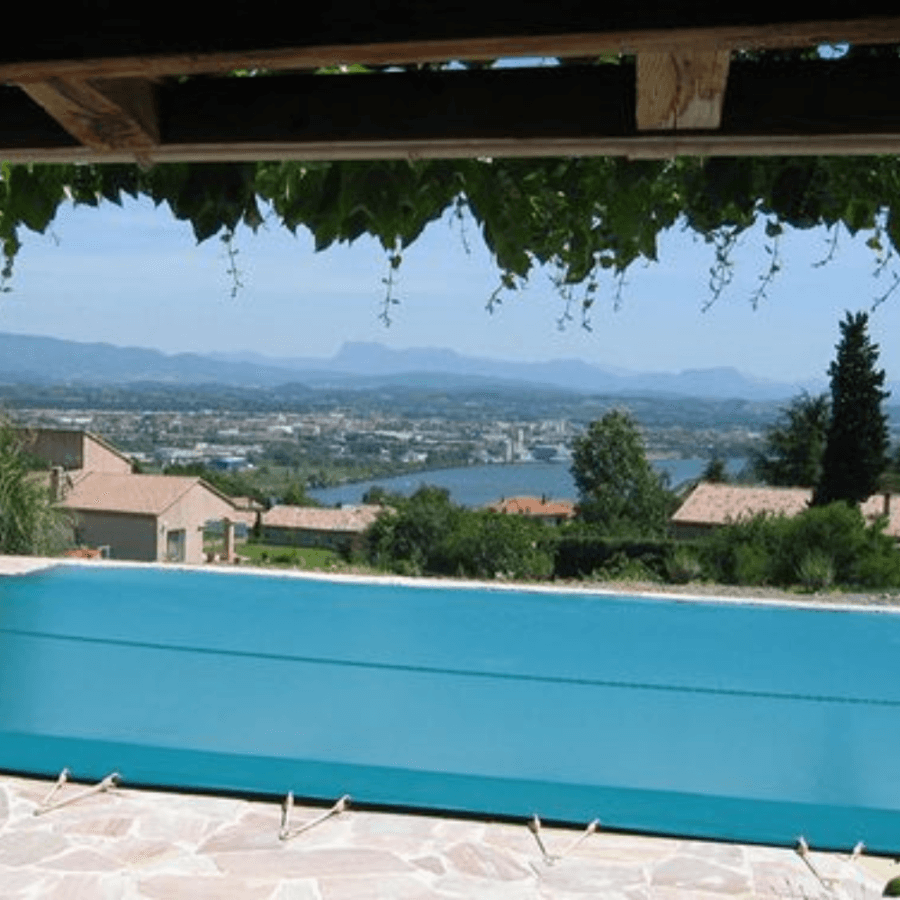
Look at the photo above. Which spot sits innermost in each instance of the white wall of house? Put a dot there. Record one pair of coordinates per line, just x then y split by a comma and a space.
174, 536
189, 514
98, 458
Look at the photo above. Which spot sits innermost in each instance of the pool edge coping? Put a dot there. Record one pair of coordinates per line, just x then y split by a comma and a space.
28, 565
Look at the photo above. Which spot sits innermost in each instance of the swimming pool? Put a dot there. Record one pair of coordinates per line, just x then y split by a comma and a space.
745, 722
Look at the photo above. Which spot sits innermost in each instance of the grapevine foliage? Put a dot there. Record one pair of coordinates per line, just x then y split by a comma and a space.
577, 215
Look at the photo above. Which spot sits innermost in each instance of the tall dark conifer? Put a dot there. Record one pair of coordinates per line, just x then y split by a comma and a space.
857, 442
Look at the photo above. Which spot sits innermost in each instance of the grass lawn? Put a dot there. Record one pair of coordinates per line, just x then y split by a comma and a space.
293, 557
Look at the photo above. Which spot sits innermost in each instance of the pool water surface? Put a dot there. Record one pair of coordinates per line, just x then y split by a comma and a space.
748, 722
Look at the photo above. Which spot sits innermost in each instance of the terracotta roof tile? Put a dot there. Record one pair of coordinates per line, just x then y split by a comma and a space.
534, 506
719, 504
142, 494
247, 503
349, 518
874, 507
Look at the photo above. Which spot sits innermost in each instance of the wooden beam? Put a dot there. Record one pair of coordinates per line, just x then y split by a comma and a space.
681, 91
640, 147
420, 49
113, 114
822, 107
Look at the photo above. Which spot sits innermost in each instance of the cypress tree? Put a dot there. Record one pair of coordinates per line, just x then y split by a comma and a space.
795, 445
857, 440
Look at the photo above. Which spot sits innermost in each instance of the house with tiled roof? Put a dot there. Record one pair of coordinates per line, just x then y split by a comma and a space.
312, 526
247, 512
150, 518
553, 512
712, 505
75, 451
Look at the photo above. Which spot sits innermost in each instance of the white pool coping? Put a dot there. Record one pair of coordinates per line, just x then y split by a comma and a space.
24, 565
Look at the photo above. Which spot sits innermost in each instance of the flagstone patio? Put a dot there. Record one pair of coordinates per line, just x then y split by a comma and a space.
131, 844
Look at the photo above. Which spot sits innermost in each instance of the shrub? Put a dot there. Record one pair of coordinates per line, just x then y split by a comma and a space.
580, 551
815, 570
837, 531
752, 565
684, 566
622, 567
746, 552
429, 534
821, 546
29, 521
490, 544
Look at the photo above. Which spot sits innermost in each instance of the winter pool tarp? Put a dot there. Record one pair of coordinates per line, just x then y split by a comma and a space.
724, 720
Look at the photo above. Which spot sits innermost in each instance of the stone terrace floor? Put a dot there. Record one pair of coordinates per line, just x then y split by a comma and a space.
132, 844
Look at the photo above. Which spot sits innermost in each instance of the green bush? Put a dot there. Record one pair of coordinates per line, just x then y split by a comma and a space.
489, 544
580, 551
837, 531
622, 567
29, 522
428, 534
413, 537
821, 546
684, 566
746, 552
752, 565
815, 570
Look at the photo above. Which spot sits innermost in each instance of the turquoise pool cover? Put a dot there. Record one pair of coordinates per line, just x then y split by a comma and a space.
723, 720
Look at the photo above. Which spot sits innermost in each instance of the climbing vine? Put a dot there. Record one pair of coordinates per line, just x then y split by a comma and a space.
582, 217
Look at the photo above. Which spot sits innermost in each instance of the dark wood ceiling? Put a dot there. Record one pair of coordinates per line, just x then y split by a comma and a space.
152, 85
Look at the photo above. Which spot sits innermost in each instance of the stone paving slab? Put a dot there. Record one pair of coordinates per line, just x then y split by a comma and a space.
134, 844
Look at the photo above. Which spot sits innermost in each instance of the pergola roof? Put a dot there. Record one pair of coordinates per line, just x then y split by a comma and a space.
155, 84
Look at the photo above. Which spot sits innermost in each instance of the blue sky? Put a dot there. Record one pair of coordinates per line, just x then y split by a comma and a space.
134, 276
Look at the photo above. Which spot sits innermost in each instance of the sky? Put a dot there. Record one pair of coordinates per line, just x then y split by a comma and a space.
134, 276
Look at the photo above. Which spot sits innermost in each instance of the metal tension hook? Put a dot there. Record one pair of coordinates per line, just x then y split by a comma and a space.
46, 805
802, 850
286, 832
534, 826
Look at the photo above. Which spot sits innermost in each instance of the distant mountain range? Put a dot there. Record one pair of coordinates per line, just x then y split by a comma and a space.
363, 366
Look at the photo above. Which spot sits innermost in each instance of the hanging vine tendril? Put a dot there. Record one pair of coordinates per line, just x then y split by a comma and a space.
566, 213
765, 280
233, 272
390, 299
721, 273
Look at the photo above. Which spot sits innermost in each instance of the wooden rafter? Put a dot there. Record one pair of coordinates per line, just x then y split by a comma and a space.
870, 30
832, 107
681, 91
104, 115
108, 88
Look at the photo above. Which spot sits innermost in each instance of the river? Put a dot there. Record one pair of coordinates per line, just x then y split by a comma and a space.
478, 485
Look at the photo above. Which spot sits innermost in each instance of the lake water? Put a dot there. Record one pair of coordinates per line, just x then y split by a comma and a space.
709, 719
479, 485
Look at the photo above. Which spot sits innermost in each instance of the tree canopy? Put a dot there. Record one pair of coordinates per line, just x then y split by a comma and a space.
857, 441
792, 456
582, 217
620, 491
427, 533
29, 522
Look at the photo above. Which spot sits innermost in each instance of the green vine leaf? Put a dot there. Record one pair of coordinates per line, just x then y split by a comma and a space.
576, 216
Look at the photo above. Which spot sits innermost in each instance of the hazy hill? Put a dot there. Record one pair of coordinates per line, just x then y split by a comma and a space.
41, 360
